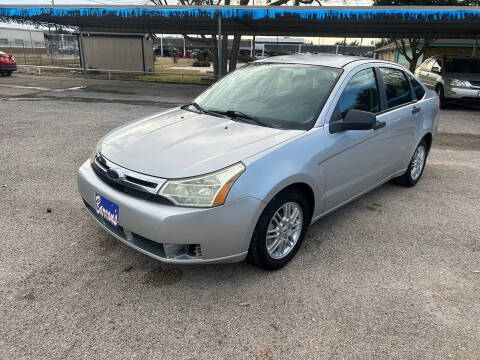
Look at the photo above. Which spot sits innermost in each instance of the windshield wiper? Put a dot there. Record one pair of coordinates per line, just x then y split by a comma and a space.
234, 114
201, 109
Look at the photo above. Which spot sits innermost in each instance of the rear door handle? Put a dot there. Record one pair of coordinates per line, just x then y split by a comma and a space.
416, 109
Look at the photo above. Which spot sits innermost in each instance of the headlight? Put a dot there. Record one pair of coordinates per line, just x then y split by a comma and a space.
459, 83
95, 151
202, 191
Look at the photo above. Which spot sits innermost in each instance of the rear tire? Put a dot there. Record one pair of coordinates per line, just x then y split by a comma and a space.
441, 97
8, 73
267, 258
415, 168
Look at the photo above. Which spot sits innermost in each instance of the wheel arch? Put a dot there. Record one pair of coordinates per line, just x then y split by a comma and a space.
428, 137
306, 187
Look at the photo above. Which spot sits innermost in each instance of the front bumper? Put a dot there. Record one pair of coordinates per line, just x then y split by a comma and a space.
463, 94
162, 231
8, 68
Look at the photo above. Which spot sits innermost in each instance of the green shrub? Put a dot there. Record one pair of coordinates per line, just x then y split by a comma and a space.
204, 56
201, 64
244, 58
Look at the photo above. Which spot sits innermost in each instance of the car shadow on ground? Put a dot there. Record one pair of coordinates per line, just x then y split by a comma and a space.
155, 274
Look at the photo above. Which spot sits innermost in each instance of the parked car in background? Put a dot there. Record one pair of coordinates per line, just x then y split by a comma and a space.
272, 147
7, 64
172, 52
455, 79
188, 54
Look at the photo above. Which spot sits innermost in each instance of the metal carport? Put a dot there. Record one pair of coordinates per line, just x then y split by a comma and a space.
438, 22
444, 22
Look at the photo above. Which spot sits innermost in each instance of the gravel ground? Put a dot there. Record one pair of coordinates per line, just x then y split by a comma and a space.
392, 275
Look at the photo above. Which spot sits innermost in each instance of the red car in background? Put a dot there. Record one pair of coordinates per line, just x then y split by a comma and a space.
7, 64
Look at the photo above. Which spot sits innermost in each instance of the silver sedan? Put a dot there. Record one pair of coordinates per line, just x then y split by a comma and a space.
243, 170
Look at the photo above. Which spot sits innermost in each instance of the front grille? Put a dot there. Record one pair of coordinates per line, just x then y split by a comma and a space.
134, 192
141, 182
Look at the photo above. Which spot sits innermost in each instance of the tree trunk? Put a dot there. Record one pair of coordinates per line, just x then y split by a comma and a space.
234, 52
413, 63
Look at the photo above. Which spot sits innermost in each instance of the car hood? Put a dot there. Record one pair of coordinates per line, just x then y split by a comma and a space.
464, 76
181, 144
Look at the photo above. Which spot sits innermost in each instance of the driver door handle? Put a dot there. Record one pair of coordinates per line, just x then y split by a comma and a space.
416, 109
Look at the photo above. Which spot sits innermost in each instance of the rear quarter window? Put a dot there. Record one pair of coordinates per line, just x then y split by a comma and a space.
417, 88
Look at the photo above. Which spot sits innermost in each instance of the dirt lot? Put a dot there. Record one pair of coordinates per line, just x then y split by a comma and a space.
395, 274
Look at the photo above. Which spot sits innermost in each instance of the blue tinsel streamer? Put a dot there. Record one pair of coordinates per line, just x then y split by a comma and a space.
273, 13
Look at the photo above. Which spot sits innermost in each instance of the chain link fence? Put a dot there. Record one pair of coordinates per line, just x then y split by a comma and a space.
50, 52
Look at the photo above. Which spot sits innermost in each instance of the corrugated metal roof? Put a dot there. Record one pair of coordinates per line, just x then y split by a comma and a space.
447, 22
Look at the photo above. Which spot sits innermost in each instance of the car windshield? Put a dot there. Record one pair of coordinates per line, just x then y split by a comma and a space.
276, 95
464, 66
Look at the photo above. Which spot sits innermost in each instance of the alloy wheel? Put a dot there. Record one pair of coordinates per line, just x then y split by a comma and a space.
418, 162
284, 230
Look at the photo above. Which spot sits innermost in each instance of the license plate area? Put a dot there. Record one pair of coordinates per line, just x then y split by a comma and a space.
107, 209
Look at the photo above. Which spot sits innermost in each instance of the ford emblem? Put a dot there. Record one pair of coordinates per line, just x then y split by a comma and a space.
115, 174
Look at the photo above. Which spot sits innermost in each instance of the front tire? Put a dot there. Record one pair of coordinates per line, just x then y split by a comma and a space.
415, 168
280, 230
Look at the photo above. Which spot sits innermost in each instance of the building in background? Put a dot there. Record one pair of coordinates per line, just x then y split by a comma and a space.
15, 39
457, 47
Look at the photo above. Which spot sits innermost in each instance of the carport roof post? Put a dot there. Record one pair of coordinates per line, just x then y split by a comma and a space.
439, 22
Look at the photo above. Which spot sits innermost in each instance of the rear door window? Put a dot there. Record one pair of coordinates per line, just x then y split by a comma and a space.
361, 93
397, 87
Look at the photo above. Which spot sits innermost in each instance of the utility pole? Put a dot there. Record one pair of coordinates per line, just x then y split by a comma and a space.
254, 41
161, 46
219, 46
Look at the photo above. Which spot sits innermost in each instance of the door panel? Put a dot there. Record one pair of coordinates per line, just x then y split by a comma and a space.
356, 162
356, 158
401, 121
403, 124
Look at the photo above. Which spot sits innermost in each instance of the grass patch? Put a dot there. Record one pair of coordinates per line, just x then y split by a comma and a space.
166, 61
46, 61
182, 71
205, 79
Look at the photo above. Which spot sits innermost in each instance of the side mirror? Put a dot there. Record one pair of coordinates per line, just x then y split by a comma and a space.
436, 70
355, 120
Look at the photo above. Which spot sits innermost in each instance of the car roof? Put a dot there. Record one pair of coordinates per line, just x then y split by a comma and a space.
332, 60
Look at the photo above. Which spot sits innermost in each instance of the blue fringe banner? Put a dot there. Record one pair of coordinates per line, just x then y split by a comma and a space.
256, 14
